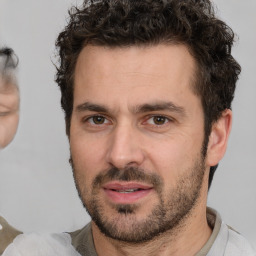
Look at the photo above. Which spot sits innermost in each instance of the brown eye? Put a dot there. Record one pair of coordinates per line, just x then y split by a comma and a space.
98, 120
159, 120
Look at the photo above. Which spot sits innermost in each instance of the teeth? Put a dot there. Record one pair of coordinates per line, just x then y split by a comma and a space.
128, 190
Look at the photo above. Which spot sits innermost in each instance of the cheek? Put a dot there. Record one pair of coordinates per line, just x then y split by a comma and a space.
8, 128
173, 157
87, 155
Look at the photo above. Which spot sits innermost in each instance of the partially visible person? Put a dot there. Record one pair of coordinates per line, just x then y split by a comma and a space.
9, 96
21, 244
7, 234
9, 119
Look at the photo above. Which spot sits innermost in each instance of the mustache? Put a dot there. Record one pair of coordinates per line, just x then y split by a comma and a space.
127, 174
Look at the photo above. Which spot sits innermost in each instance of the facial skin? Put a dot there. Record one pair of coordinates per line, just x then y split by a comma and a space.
137, 124
9, 112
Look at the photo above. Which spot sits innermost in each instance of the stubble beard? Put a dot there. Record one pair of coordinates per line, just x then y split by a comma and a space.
169, 214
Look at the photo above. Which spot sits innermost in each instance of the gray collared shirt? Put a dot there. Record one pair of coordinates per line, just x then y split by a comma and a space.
224, 241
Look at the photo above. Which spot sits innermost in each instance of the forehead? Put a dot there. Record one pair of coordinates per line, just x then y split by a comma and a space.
151, 71
7, 87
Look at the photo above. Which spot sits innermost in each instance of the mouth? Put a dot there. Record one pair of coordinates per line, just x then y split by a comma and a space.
128, 190
126, 193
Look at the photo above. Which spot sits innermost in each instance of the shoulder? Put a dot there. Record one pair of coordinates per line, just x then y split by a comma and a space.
41, 245
238, 245
14, 242
227, 241
7, 234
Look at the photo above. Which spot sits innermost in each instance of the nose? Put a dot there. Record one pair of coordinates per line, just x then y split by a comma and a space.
125, 148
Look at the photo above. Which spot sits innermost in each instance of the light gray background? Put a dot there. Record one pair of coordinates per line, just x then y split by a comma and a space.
36, 185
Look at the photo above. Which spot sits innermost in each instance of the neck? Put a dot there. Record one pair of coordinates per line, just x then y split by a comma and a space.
186, 240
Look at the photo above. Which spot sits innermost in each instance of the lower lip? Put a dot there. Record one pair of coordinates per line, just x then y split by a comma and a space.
126, 198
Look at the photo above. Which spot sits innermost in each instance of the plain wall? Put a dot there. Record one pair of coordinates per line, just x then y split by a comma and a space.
37, 192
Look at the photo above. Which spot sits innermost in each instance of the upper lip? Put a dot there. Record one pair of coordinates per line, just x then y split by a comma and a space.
126, 186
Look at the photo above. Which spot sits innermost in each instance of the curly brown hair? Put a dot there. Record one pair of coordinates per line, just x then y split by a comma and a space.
121, 23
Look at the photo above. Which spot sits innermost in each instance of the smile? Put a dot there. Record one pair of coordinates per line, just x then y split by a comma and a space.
126, 193
127, 190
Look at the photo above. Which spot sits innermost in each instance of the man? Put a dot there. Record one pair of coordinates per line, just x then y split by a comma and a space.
146, 89
9, 97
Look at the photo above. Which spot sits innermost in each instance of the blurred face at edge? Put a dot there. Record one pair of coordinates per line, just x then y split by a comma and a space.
9, 111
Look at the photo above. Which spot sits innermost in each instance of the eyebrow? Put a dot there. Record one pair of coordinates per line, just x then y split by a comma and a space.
148, 107
87, 106
160, 106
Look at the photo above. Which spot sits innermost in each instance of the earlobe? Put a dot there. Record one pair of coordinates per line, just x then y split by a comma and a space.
219, 138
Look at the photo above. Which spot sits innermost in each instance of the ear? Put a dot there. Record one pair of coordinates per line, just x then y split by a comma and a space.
219, 138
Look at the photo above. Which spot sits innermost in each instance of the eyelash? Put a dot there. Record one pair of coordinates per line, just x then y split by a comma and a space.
161, 117
91, 122
87, 119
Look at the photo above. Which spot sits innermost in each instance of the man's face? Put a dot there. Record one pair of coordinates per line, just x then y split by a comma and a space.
136, 137
9, 112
